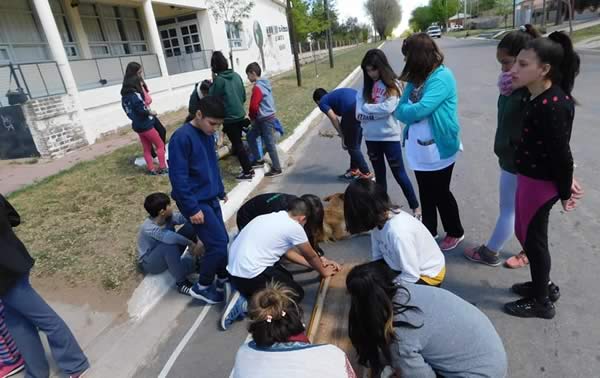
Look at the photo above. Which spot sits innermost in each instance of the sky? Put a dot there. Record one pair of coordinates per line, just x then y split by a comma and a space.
355, 8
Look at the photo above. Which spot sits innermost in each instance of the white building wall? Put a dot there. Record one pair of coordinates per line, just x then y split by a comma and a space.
102, 106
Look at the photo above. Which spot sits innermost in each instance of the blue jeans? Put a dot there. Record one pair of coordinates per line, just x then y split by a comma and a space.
505, 225
213, 235
169, 256
392, 151
264, 129
352, 133
26, 313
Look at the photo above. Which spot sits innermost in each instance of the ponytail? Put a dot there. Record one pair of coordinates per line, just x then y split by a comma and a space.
517, 40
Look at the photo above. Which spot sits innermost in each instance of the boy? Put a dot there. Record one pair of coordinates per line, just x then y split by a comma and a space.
256, 251
197, 189
262, 114
341, 102
161, 248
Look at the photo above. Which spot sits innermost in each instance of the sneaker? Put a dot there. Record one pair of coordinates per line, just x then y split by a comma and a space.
80, 374
224, 286
531, 308
185, 287
525, 290
483, 255
518, 261
449, 243
163, 172
245, 176
152, 173
274, 173
350, 174
236, 309
258, 164
12, 369
210, 295
368, 176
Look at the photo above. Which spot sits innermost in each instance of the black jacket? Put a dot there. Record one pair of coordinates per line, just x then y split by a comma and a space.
14, 258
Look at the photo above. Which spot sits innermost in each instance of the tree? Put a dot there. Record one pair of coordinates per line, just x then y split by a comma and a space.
442, 10
386, 15
421, 18
232, 12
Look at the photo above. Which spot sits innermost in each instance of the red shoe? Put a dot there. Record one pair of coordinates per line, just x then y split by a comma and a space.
449, 243
10, 370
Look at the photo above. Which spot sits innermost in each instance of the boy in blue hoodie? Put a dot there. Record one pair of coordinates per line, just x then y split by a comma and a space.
262, 115
197, 189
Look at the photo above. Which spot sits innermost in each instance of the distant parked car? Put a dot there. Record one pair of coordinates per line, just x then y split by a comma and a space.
434, 32
456, 27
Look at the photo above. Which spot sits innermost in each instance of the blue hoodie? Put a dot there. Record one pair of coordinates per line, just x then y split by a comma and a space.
138, 113
193, 169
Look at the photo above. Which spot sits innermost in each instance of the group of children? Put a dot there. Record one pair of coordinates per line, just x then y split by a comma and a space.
397, 305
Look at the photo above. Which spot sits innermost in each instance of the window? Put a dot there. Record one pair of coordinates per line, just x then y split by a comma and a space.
20, 35
113, 30
64, 29
234, 34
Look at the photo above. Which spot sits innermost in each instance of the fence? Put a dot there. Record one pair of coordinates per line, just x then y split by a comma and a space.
36, 80
319, 45
100, 72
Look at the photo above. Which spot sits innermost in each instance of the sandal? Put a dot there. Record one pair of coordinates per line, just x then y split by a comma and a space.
483, 255
517, 261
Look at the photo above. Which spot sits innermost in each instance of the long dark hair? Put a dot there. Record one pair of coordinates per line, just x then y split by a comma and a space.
218, 62
376, 59
517, 40
372, 288
557, 51
366, 206
314, 220
422, 57
132, 82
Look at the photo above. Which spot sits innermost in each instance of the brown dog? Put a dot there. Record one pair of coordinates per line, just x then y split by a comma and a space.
334, 224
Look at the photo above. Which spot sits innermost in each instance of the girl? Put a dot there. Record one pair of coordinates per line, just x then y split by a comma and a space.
547, 67
267, 203
11, 361
420, 331
375, 104
142, 118
279, 347
148, 101
511, 104
428, 107
229, 85
396, 237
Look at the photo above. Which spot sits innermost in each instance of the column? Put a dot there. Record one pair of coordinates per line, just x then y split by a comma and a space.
154, 37
75, 20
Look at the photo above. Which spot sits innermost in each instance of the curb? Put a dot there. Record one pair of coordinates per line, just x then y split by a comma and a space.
154, 287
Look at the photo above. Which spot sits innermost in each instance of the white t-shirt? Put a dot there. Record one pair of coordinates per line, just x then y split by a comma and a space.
407, 246
262, 243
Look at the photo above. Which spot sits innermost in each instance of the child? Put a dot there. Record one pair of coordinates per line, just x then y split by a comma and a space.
160, 248
197, 188
255, 253
142, 118
11, 361
341, 103
547, 67
279, 347
200, 90
396, 237
429, 108
375, 105
511, 103
262, 114
419, 330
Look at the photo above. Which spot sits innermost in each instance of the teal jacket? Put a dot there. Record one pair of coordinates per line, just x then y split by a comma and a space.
439, 103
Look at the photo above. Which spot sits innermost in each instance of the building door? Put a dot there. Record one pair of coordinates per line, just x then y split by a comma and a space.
182, 45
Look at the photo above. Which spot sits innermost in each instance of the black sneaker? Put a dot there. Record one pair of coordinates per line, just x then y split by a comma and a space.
163, 172
531, 308
525, 290
258, 164
185, 287
274, 173
245, 176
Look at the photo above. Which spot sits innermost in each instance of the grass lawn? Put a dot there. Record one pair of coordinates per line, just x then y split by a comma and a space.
81, 224
462, 33
581, 34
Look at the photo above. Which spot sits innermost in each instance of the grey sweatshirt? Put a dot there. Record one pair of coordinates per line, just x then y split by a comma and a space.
377, 118
455, 340
151, 234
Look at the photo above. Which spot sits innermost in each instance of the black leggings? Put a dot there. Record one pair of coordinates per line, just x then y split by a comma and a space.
162, 132
248, 286
234, 133
435, 195
536, 249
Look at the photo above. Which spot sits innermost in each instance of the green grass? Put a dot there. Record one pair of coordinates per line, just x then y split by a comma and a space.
581, 34
81, 224
462, 33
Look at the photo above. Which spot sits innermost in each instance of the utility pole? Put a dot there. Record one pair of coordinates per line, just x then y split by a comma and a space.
293, 42
544, 15
514, 23
329, 41
465, 16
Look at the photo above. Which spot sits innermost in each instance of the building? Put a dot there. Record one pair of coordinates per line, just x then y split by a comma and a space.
458, 20
69, 57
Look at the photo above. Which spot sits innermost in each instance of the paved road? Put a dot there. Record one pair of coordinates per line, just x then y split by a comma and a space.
567, 346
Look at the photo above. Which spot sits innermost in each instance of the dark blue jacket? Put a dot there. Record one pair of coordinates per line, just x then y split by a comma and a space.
138, 113
194, 169
341, 100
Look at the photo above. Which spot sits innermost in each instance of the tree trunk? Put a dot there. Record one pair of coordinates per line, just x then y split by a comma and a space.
570, 17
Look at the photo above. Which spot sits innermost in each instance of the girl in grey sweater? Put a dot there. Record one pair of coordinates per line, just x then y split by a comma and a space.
421, 331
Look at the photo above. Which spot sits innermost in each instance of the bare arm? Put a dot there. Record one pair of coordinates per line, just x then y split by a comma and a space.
294, 256
314, 261
334, 121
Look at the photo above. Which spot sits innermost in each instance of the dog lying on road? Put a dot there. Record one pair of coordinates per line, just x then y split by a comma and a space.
334, 224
